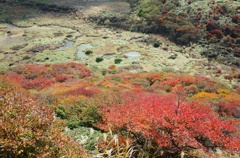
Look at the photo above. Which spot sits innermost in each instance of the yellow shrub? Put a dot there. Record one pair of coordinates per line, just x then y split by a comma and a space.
206, 95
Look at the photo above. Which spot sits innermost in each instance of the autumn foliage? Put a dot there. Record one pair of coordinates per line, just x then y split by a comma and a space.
163, 114
158, 118
30, 130
42, 76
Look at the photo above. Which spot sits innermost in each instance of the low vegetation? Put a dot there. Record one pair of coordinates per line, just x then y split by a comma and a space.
117, 61
99, 59
88, 52
146, 114
68, 109
29, 129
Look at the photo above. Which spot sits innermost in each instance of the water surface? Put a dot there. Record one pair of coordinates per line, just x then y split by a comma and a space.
81, 50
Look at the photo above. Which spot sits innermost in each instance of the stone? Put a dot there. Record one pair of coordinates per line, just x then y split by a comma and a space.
174, 56
107, 22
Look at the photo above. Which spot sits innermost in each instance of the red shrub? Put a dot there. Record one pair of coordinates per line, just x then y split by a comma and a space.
42, 76
82, 91
187, 80
152, 78
218, 33
229, 109
111, 67
38, 83
227, 30
211, 25
84, 73
62, 78
172, 82
34, 71
228, 77
228, 41
158, 118
192, 89
15, 77
235, 33
235, 18
60, 68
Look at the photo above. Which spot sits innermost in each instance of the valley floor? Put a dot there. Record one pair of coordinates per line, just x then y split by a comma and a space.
53, 38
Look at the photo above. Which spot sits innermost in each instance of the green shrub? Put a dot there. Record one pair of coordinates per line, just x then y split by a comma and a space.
117, 61
73, 124
69, 36
141, 13
105, 37
88, 52
60, 112
26, 57
156, 44
99, 59
90, 113
85, 112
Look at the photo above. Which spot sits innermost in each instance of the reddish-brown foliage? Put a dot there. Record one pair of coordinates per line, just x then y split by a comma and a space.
71, 68
236, 18
42, 76
211, 25
62, 78
28, 129
82, 91
155, 117
229, 109
152, 78
111, 67
218, 33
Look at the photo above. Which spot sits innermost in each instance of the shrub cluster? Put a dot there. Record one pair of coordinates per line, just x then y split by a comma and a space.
42, 76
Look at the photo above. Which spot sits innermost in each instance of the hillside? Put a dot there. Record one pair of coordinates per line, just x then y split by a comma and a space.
212, 24
118, 78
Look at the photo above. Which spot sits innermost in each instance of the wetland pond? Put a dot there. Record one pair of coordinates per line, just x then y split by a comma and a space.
132, 55
81, 48
67, 44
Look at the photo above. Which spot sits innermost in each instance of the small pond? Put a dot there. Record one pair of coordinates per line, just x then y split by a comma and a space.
132, 55
66, 45
80, 50
109, 56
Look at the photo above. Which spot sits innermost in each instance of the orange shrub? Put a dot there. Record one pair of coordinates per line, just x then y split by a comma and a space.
206, 95
28, 129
